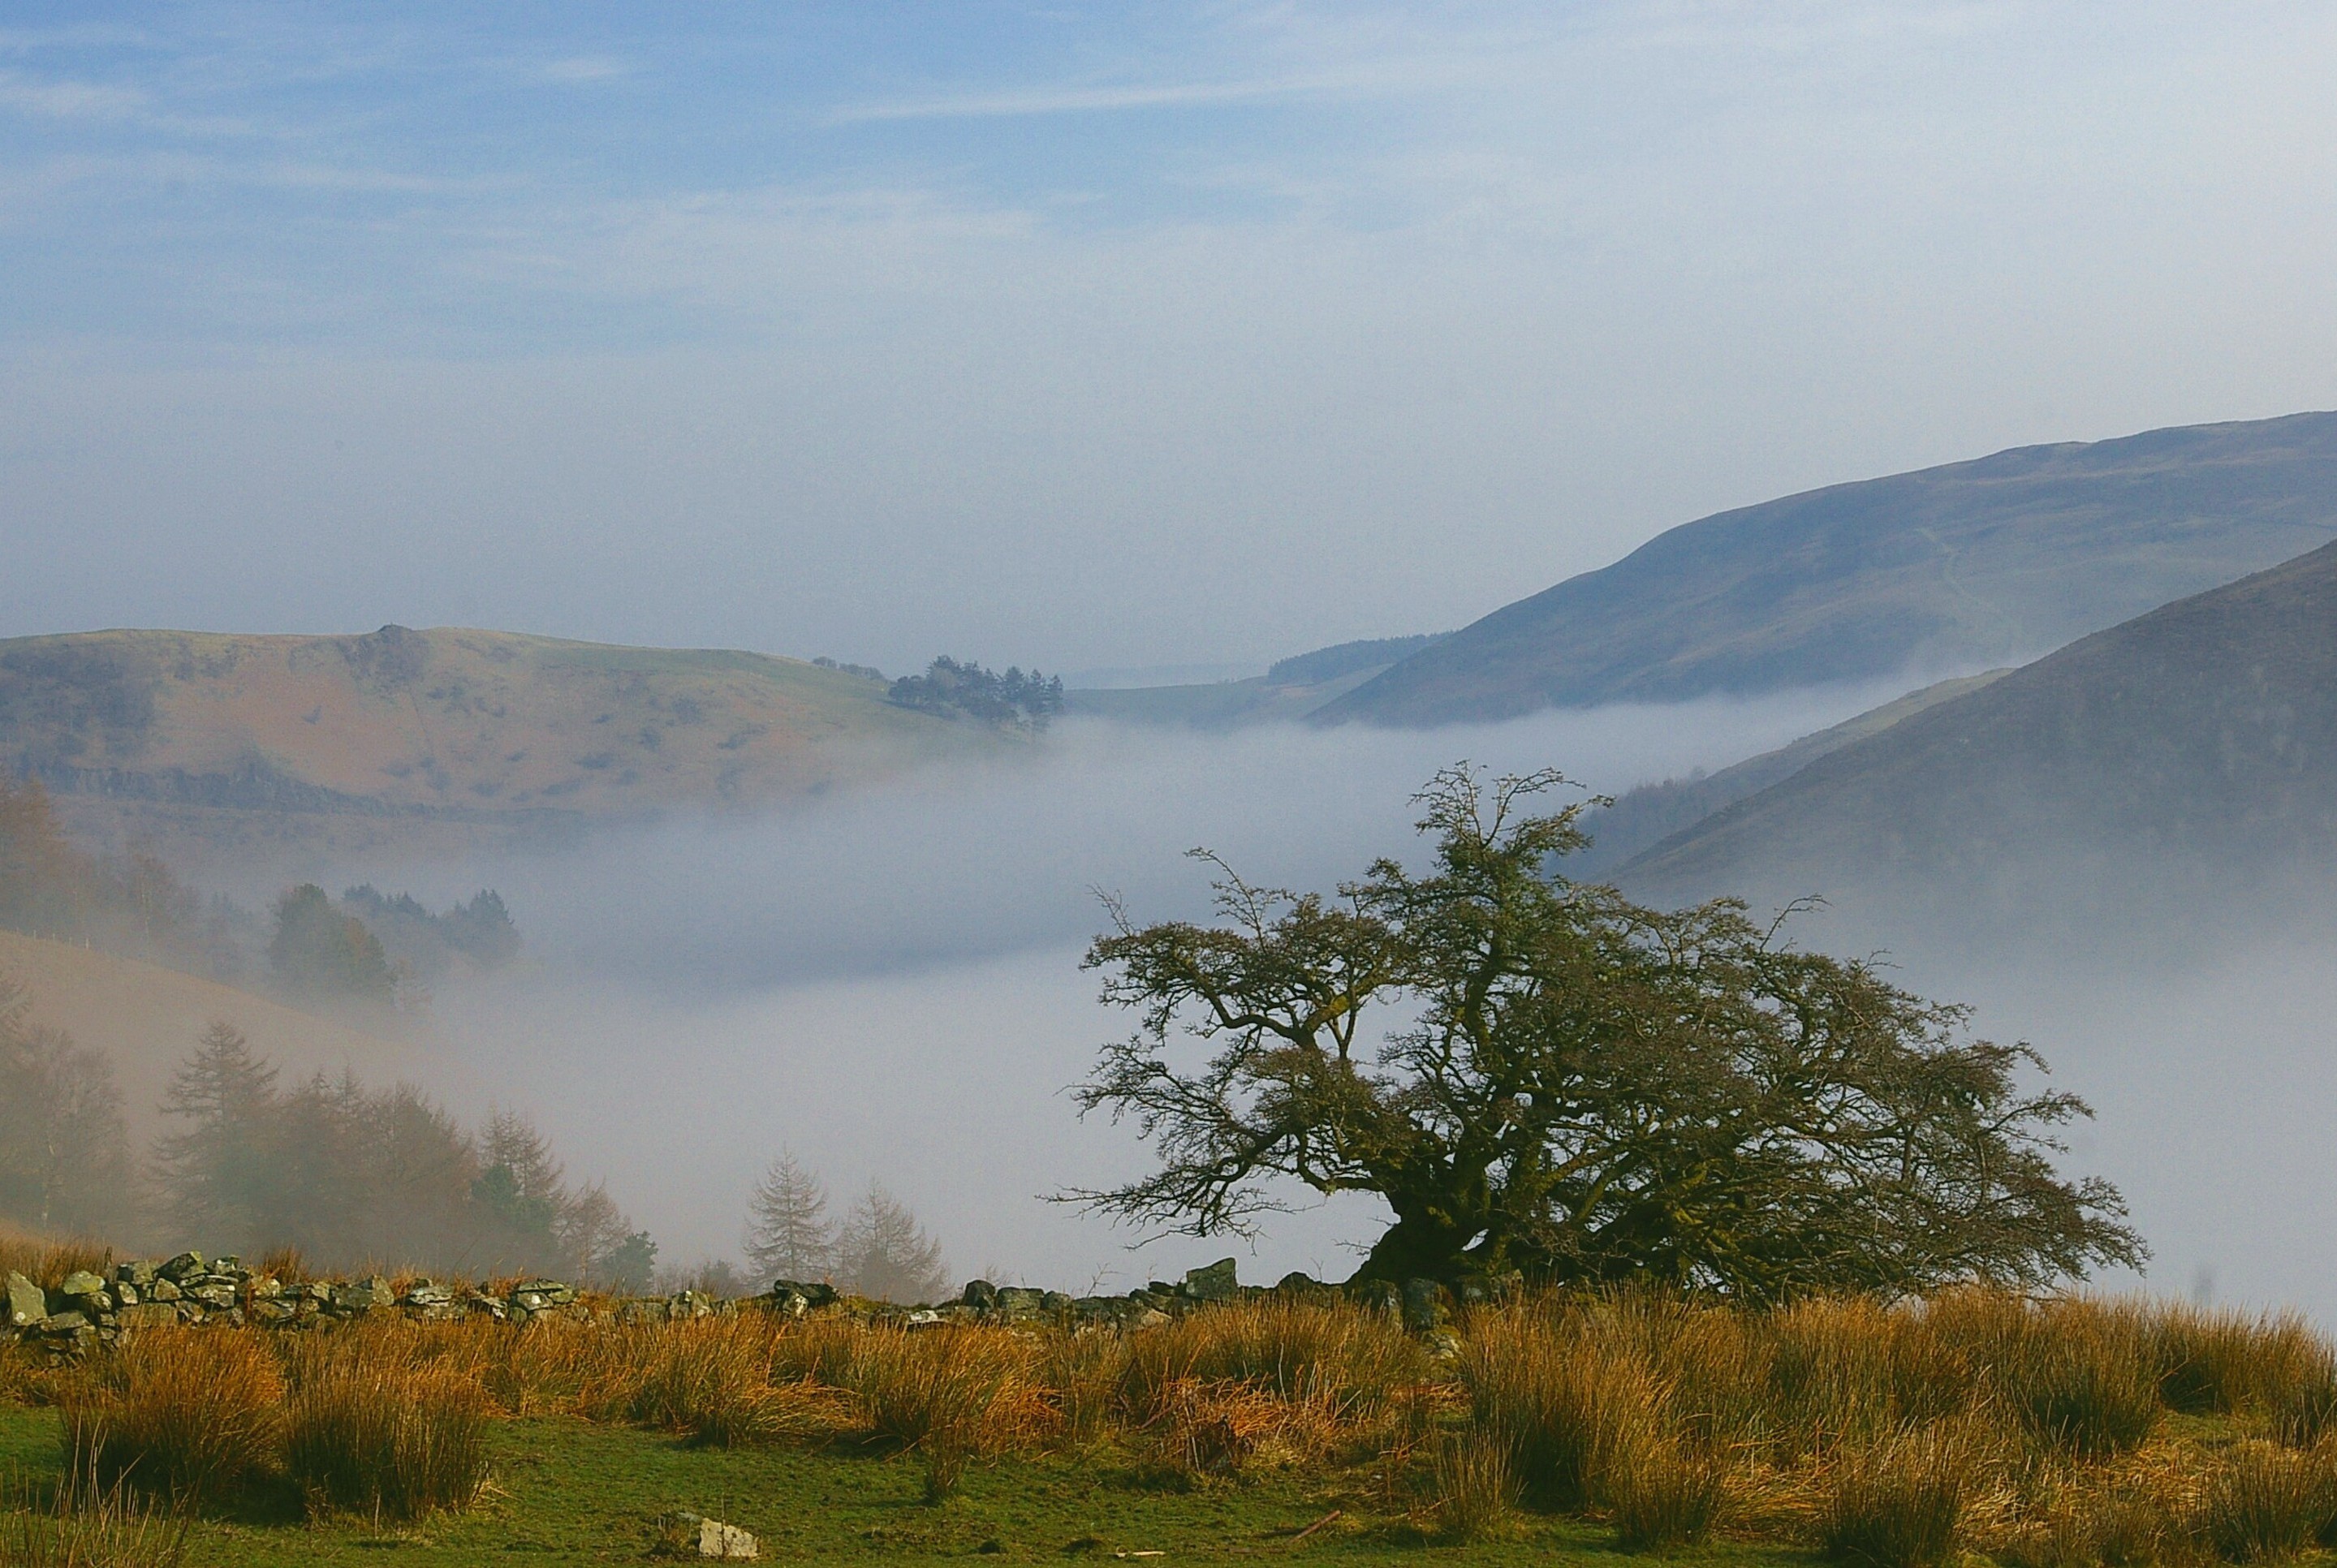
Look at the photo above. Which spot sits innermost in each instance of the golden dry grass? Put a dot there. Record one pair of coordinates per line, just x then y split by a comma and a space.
47, 1260
2068, 1433
178, 1412
382, 1421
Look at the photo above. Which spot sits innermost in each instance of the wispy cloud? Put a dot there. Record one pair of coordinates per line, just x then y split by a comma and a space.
25, 40
581, 69
68, 100
1074, 101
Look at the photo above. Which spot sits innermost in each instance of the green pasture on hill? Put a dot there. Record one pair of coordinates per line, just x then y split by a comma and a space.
564, 1490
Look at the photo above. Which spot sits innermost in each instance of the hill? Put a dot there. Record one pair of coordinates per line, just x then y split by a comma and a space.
2197, 743
146, 1019
190, 733
1962, 567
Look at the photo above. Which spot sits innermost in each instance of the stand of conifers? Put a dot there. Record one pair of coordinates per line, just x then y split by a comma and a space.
2047, 1433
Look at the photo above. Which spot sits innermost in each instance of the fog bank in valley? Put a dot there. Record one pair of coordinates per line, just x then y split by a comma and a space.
888, 983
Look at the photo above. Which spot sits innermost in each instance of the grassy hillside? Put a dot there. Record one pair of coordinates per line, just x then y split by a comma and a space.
146, 1018
1973, 564
2199, 739
448, 725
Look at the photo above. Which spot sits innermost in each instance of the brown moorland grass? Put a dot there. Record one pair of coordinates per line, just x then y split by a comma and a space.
381, 1421
178, 1411
2267, 1504
1888, 1435
1900, 1502
1474, 1489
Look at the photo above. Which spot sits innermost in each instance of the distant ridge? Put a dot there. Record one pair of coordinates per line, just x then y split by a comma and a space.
1950, 569
2199, 740
212, 733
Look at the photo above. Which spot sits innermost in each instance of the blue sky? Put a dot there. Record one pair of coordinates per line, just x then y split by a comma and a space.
1087, 334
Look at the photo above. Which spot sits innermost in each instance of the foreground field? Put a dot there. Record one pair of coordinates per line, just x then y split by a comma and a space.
2056, 1433
565, 1489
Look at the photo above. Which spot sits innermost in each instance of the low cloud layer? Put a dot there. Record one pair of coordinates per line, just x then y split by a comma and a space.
888, 983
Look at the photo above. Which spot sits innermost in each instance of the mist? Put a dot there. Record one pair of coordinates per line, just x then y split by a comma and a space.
887, 983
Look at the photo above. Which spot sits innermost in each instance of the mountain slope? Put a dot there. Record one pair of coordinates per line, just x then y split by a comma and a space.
2199, 740
1968, 565
447, 723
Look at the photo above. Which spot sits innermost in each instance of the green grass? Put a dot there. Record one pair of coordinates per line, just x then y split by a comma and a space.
565, 1490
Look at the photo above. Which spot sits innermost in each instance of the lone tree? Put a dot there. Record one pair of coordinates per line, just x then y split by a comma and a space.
1538, 1076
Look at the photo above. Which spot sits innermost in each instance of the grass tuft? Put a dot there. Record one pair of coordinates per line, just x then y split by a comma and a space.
1898, 1503
374, 1427
178, 1412
1566, 1402
2266, 1504
82, 1524
1475, 1489
1664, 1495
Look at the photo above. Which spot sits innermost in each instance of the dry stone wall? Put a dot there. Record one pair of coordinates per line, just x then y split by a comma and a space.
87, 1309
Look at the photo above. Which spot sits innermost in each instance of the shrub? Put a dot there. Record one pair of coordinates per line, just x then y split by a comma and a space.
1898, 1503
2265, 1503
371, 1427
181, 1412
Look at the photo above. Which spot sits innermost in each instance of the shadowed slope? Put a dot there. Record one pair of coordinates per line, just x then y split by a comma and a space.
2199, 740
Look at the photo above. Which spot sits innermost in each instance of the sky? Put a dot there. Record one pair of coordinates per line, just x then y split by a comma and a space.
1087, 335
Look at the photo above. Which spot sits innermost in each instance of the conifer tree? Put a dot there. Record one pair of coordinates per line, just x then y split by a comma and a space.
318, 952
215, 1174
789, 1236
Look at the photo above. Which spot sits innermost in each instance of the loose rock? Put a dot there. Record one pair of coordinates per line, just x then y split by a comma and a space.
27, 1302
690, 1534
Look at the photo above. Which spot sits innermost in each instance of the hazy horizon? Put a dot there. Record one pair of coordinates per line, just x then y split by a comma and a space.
1091, 338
